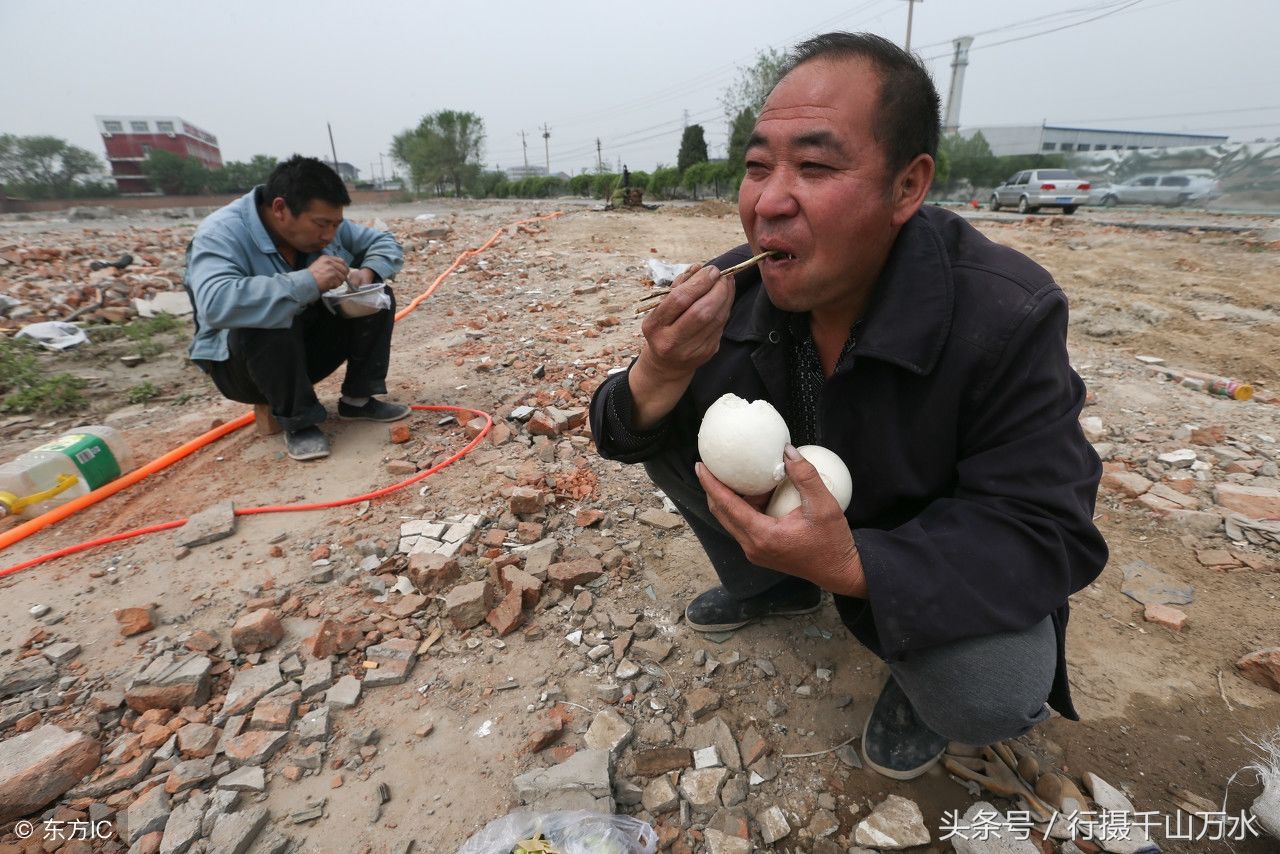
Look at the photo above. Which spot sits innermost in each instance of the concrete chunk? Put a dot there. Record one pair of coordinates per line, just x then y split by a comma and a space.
208, 526
38, 767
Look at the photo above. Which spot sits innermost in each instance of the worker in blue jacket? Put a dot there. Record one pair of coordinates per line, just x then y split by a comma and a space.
256, 270
932, 361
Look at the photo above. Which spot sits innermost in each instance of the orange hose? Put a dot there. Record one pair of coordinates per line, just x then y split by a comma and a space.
61, 512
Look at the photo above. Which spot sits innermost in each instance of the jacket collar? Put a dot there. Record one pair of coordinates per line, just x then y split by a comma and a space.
910, 313
248, 205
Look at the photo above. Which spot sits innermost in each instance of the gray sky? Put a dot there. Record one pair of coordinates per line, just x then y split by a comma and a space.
264, 77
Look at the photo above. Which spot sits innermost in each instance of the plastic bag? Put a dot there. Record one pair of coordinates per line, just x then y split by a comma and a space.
54, 335
357, 303
664, 273
571, 831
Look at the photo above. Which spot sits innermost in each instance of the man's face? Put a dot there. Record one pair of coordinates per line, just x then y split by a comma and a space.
817, 186
312, 229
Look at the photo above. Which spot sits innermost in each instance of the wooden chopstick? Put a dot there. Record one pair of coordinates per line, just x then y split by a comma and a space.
736, 268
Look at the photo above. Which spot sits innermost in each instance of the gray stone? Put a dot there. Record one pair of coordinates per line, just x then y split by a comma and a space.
582, 781
659, 796
773, 825
29, 673
61, 653
317, 677
654, 731
221, 802
1002, 838
734, 791
148, 814
234, 833
171, 682
345, 694
465, 605
609, 731
764, 770
539, 558
189, 774
895, 823
250, 686
314, 726
823, 824
714, 732
722, 843
1145, 584
208, 526
291, 667
701, 788
849, 756
706, 757
246, 779
183, 827
627, 793
255, 747
395, 659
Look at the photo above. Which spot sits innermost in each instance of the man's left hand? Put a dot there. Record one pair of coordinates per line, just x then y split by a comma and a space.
361, 277
812, 542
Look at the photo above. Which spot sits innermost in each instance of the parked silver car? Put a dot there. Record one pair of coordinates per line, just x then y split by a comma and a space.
1171, 190
1033, 189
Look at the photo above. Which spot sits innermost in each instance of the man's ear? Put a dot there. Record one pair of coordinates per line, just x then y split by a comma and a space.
910, 188
279, 209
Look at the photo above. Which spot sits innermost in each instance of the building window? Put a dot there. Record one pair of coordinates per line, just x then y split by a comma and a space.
112, 127
1100, 147
1049, 146
146, 150
1066, 146
164, 127
139, 127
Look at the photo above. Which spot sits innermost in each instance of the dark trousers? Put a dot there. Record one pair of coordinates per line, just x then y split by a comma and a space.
976, 691
281, 366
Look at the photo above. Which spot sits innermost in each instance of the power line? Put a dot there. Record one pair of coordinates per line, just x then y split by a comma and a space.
1108, 14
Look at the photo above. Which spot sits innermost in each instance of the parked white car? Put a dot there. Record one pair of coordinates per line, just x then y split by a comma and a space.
1033, 189
1171, 190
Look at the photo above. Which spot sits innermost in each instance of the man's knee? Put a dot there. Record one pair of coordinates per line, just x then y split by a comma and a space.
976, 720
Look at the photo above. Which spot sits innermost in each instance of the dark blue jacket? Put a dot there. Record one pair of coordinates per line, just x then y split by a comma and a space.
973, 485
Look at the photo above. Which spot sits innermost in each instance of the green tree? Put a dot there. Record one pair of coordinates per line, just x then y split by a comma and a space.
739, 134
753, 84
716, 176
443, 151
174, 175
44, 166
693, 148
240, 176
580, 185
664, 181
970, 160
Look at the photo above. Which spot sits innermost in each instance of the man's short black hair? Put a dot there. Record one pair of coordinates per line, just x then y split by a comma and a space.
907, 122
302, 180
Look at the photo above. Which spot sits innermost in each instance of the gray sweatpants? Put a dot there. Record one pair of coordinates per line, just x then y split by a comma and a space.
976, 691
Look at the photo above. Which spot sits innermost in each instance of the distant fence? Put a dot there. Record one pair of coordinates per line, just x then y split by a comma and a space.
8, 205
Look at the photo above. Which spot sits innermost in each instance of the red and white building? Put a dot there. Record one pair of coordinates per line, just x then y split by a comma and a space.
129, 139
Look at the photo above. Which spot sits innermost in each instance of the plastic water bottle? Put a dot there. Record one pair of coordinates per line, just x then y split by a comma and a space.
58, 471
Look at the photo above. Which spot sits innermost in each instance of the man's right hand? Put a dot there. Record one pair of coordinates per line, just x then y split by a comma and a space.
330, 272
680, 335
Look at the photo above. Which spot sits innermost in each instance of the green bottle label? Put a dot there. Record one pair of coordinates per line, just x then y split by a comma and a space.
91, 455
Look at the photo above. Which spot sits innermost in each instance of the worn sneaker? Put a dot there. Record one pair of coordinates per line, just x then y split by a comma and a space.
373, 410
717, 611
309, 443
895, 742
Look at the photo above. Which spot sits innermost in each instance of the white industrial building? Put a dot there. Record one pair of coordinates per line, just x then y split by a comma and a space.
1053, 139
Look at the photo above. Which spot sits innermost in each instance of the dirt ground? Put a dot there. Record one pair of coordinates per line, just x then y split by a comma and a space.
532, 320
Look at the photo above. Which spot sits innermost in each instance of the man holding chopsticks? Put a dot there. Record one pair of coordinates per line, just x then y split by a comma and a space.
932, 361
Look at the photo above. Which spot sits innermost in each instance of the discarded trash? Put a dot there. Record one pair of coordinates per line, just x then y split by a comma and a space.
176, 303
664, 273
58, 471
120, 263
570, 831
1208, 383
54, 335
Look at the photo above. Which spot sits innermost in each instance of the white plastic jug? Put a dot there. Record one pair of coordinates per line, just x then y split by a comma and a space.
56, 472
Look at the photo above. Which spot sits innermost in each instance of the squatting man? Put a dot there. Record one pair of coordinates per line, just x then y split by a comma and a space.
932, 361
256, 270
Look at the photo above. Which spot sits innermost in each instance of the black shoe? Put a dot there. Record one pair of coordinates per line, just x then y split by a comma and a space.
895, 742
717, 611
373, 410
309, 443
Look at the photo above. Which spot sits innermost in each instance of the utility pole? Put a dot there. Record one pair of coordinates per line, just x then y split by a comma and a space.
686, 118
383, 169
599, 161
333, 149
525, 144
546, 144
911, 8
